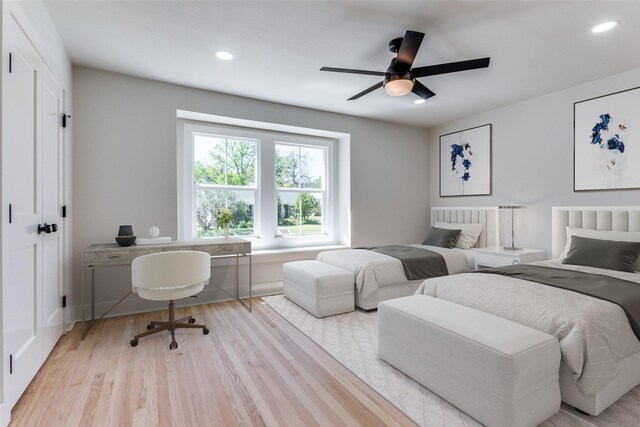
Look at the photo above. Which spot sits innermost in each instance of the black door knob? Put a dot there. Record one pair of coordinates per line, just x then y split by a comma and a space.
47, 228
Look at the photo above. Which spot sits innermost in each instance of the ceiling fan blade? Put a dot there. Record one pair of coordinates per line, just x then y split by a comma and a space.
408, 51
366, 91
421, 90
351, 71
450, 67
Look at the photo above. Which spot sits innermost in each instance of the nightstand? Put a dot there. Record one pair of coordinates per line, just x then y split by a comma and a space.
499, 257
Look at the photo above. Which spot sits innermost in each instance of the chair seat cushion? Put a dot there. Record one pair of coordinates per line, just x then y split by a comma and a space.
165, 294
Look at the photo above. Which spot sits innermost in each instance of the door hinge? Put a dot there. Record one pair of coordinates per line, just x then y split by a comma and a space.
10, 61
11, 364
10, 214
64, 120
64, 301
64, 211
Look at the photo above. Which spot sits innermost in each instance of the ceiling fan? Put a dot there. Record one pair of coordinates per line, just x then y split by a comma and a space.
400, 78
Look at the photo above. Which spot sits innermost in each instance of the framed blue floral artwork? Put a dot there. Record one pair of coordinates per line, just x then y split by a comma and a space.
606, 150
465, 162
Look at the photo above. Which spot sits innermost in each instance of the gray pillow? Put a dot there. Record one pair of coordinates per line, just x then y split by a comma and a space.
609, 254
444, 238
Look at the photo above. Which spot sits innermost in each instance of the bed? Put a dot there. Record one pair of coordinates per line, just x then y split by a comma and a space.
379, 277
600, 351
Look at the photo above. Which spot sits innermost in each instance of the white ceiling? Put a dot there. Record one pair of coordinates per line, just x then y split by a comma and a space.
536, 47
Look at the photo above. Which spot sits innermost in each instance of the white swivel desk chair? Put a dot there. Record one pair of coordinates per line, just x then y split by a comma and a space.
167, 276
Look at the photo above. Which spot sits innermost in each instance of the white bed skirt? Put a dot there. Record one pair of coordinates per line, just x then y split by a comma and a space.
628, 377
384, 293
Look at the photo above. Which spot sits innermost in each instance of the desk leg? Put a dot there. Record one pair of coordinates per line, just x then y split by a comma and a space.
93, 296
84, 321
237, 294
249, 306
238, 277
87, 325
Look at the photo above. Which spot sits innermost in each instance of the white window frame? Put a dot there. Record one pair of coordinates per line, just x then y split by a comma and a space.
225, 187
328, 190
265, 209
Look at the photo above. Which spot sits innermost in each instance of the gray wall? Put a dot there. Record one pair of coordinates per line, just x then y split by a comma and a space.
125, 164
533, 156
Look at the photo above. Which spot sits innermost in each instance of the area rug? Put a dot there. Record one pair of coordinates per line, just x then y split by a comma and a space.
352, 340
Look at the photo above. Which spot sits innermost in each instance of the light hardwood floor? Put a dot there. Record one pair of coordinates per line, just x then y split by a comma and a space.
252, 369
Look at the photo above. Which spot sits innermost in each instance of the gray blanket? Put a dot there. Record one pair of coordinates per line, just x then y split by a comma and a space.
624, 293
417, 263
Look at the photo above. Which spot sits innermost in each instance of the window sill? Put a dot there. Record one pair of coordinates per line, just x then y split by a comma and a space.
291, 254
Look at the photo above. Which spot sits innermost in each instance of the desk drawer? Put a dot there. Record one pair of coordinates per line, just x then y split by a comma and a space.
172, 248
112, 257
228, 248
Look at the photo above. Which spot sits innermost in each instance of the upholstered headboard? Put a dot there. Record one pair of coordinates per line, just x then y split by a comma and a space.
605, 218
487, 216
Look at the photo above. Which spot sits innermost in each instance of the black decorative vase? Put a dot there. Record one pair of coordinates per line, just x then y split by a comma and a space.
126, 240
125, 230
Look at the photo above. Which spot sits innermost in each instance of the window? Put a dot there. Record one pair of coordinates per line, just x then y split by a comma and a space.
224, 176
300, 184
281, 188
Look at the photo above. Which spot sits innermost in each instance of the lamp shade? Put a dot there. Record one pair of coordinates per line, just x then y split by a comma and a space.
513, 226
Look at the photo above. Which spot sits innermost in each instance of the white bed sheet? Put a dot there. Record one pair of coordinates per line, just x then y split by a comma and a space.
594, 334
373, 270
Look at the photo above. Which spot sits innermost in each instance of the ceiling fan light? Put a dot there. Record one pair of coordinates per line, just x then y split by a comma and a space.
224, 55
605, 26
398, 87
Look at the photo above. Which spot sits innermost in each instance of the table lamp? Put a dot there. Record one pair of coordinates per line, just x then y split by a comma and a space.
513, 226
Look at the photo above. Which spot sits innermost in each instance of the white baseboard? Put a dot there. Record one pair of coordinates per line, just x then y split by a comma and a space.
269, 289
5, 414
134, 304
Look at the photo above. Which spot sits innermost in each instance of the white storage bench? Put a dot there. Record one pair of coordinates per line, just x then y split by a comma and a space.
497, 371
321, 289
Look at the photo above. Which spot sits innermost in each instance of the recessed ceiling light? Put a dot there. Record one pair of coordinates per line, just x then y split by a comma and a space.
419, 101
224, 55
605, 26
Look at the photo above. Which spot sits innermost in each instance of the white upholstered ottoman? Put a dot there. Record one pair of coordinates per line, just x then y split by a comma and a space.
499, 372
321, 289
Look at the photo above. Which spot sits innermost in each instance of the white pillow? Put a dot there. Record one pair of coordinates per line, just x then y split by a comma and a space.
469, 235
619, 236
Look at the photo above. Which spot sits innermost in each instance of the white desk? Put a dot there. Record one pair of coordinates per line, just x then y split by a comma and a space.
110, 255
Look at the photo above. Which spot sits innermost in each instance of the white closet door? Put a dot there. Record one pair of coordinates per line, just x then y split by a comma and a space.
22, 175
52, 198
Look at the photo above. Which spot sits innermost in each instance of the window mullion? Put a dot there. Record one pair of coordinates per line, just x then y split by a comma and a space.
299, 167
226, 161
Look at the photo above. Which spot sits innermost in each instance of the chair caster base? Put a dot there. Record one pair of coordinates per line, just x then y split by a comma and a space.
133, 342
173, 345
192, 320
150, 327
205, 331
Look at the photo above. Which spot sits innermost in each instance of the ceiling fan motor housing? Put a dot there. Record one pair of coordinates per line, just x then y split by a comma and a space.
394, 45
390, 77
392, 74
